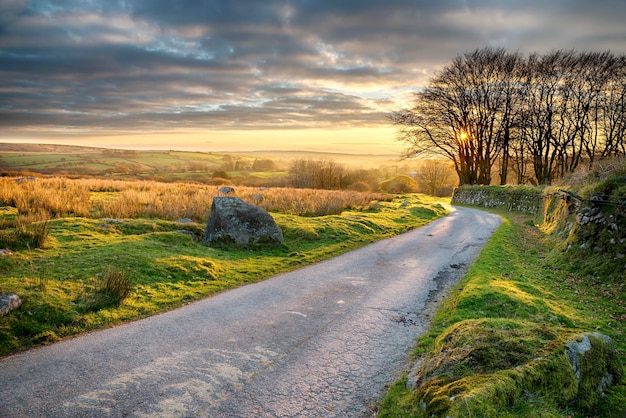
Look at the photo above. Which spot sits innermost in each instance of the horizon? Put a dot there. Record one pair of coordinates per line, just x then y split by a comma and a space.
261, 152
242, 75
348, 141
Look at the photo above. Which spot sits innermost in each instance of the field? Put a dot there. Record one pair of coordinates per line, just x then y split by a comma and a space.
70, 160
91, 253
166, 165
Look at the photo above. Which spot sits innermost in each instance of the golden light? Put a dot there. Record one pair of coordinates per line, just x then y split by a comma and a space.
463, 136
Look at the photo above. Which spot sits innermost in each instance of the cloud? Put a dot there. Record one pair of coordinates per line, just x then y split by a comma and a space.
247, 64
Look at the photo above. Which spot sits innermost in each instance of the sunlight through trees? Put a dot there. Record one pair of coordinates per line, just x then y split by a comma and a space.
538, 116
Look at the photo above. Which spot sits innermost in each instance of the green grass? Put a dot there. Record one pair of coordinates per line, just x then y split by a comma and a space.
518, 302
32, 158
63, 286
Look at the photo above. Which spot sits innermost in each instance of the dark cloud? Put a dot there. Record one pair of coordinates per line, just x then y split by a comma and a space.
248, 64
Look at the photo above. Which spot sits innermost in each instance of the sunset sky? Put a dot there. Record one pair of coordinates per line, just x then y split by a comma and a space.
229, 75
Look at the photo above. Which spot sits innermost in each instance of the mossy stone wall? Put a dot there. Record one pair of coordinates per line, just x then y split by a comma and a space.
577, 371
594, 224
517, 199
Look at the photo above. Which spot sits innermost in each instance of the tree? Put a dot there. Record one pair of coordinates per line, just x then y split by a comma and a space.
542, 114
433, 175
263, 165
608, 127
316, 174
465, 114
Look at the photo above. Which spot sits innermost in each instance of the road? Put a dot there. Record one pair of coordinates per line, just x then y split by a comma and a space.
320, 341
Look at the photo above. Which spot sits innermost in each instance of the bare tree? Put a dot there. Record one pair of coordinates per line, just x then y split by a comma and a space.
433, 175
316, 174
466, 114
545, 114
609, 110
541, 114
566, 104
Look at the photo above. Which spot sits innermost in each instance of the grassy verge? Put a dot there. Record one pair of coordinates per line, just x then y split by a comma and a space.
96, 273
518, 303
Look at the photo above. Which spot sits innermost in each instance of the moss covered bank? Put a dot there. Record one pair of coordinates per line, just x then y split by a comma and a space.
527, 333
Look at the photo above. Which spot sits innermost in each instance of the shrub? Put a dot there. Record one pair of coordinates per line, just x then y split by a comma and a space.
221, 174
399, 184
219, 181
114, 286
359, 186
436, 178
444, 191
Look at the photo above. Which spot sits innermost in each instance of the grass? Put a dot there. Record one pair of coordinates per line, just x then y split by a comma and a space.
60, 160
109, 291
97, 198
518, 302
19, 231
68, 287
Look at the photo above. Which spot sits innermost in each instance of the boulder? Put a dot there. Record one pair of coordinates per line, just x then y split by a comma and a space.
234, 221
596, 366
9, 302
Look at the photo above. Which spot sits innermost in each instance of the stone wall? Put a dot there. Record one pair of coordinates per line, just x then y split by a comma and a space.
593, 223
518, 199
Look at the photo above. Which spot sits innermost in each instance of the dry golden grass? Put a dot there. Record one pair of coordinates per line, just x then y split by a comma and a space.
98, 198
57, 196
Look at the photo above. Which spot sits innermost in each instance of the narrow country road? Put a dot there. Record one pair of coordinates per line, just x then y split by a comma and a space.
321, 341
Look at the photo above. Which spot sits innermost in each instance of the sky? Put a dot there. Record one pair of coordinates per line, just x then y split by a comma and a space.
226, 75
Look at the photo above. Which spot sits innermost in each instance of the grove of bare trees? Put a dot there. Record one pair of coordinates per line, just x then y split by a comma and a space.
493, 112
316, 174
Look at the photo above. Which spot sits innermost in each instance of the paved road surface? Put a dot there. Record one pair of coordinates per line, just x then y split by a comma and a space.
320, 341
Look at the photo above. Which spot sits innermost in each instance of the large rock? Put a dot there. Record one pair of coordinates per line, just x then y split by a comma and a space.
234, 221
596, 365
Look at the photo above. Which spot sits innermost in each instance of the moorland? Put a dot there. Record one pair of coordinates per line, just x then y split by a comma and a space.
100, 237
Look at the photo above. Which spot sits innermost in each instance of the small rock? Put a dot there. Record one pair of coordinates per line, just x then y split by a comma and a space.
5, 252
414, 374
226, 190
9, 302
187, 232
113, 221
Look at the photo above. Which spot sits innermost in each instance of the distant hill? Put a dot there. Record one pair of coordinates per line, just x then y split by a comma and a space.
339, 157
69, 160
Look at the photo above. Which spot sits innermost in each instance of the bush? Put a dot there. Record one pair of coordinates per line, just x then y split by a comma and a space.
219, 181
399, 184
359, 186
109, 291
221, 174
444, 191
